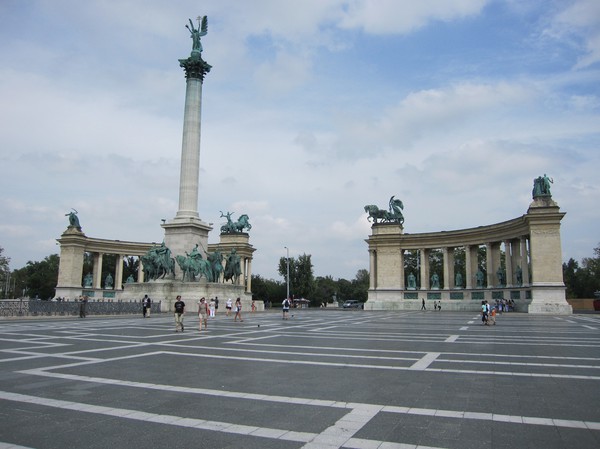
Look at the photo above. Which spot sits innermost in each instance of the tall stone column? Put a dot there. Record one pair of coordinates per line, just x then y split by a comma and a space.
372, 270
448, 268
119, 272
424, 255
97, 278
471, 266
401, 271
489, 262
508, 260
187, 230
524, 260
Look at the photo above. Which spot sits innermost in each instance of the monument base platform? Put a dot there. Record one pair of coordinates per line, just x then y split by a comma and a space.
167, 290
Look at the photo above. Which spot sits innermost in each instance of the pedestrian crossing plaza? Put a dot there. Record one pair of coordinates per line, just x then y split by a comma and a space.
322, 379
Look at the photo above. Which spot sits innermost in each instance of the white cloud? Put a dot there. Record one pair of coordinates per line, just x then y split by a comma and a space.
391, 17
581, 18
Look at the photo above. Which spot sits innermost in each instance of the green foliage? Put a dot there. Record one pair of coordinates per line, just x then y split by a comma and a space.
38, 279
361, 285
130, 268
302, 282
322, 289
582, 281
4, 262
325, 290
267, 289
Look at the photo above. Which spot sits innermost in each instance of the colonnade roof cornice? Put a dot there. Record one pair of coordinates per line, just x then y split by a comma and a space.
480, 235
95, 245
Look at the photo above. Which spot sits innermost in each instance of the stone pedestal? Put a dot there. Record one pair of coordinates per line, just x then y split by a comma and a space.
70, 271
547, 286
182, 235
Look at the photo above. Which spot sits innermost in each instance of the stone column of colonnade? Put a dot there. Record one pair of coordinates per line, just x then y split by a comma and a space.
508, 263
373, 269
97, 270
424, 260
448, 268
524, 260
401, 271
247, 273
119, 272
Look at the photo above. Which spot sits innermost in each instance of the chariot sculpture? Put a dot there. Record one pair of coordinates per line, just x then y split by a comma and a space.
392, 215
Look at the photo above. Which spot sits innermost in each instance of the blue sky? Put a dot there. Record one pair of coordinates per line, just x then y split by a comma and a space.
312, 109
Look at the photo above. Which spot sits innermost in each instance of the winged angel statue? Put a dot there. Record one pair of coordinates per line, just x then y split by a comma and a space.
197, 33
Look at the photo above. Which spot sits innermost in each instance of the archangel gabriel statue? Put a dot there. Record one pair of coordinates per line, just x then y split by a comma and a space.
197, 33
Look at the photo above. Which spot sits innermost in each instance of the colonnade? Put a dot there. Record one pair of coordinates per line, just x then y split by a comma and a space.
522, 262
74, 244
515, 268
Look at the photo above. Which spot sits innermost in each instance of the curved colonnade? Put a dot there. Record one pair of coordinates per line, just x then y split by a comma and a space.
521, 259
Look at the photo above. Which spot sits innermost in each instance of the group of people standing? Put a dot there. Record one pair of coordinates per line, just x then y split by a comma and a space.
206, 310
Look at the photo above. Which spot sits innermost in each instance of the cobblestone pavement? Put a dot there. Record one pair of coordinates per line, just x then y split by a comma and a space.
324, 379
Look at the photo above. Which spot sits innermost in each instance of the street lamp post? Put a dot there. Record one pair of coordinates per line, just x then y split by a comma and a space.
287, 278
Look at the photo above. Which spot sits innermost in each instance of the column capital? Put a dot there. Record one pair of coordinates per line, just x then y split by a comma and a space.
195, 66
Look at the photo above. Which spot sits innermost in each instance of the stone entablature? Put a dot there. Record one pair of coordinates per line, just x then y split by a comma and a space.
532, 264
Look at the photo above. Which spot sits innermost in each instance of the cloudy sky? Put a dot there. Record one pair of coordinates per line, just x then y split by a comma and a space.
312, 110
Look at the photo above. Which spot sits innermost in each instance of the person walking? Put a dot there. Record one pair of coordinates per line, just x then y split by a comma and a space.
423, 304
179, 307
144, 306
211, 308
285, 306
203, 314
484, 317
238, 310
216, 304
83, 306
148, 306
228, 305
492, 316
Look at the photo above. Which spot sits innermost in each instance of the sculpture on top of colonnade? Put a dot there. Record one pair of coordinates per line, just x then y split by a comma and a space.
541, 186
392, 215
235, 227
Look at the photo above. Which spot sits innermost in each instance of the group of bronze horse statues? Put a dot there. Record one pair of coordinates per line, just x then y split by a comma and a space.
158, 263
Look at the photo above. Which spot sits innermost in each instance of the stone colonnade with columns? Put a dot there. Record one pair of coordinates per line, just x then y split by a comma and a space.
74, 244
523, 264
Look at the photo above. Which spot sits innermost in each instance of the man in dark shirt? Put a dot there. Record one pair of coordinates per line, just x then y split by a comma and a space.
179, 307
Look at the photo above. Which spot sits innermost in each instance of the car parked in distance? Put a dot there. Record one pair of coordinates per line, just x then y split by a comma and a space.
352, 304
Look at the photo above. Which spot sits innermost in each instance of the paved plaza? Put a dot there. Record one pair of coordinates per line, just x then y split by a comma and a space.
323, 379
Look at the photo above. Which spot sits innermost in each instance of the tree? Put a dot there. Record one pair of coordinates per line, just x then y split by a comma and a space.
301, 276
570, 270
38, 279
130, 268
4, 262
267, 289
325, 289
360, 285
582, 281
5, 278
